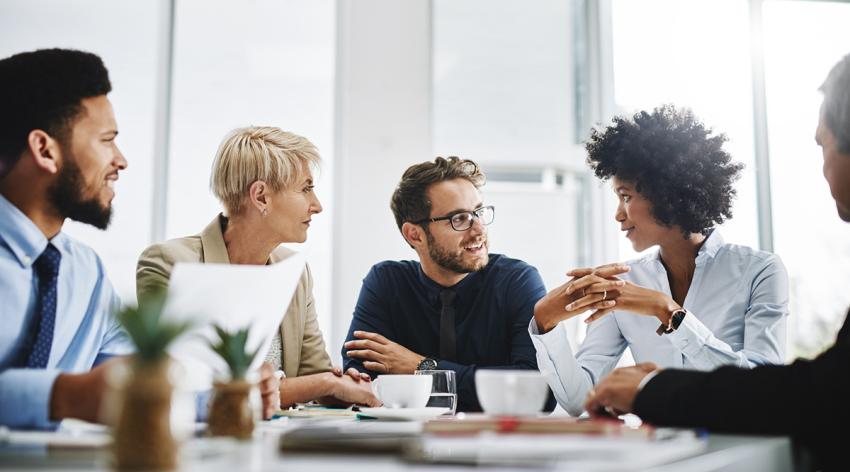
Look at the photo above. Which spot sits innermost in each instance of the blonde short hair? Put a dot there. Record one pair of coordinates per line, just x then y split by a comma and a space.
265, 153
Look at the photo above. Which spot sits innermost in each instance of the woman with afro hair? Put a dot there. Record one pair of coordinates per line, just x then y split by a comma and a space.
696, 302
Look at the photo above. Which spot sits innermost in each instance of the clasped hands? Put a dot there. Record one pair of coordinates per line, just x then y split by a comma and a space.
601, 290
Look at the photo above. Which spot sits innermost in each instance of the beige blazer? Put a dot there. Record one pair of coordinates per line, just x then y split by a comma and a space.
303, 347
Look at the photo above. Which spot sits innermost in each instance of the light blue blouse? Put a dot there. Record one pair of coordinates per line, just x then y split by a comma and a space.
737, 303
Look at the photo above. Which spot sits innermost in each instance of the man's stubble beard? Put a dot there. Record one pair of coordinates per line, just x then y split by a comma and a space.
453, 261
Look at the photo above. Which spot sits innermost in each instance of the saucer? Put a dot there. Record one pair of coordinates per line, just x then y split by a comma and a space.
384, 413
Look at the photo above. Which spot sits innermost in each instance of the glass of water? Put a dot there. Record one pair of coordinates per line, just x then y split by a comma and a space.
443, 389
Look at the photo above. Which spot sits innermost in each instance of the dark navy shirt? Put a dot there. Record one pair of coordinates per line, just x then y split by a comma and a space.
492, 310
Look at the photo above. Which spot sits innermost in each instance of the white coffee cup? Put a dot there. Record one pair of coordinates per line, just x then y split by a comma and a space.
403, 391
511, 392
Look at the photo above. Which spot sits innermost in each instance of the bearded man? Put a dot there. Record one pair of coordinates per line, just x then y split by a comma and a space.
458, 308
58, 161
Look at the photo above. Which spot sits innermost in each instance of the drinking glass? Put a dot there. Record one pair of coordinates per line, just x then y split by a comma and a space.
443, 389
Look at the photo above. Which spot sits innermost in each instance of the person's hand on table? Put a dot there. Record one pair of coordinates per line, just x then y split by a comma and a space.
589, 289
345, 390
353, 373
615, 394
269, 386
381, 355
80, 395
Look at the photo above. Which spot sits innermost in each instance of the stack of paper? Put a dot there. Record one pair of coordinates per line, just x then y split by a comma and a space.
472, 423
565, 452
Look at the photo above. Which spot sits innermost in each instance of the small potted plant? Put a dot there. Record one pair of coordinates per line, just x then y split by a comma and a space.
143, 437
231, 412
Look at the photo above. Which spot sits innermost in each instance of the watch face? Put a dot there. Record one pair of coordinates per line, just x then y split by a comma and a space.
678, 316
427, 364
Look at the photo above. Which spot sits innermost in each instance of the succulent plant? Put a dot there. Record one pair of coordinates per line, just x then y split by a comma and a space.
146, 329
231, 347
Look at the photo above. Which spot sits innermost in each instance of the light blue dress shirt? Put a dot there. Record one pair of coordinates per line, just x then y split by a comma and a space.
737, 304
86, 330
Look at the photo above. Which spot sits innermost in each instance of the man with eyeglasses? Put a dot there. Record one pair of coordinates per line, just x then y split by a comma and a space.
458, 308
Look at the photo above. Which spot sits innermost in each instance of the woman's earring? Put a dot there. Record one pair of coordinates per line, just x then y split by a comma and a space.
264, 211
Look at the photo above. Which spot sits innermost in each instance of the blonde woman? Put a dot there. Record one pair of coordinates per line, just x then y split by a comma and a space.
263, 177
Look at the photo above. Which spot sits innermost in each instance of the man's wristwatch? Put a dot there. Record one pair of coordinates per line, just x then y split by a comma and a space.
675, 320
427, 364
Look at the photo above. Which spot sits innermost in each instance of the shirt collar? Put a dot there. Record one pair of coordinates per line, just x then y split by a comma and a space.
212, 241
469, 283
24, 238
215, 250
712, 244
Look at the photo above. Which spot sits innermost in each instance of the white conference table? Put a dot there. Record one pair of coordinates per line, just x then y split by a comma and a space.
713, 453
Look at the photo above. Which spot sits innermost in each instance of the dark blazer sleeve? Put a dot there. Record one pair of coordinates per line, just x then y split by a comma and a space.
806, 400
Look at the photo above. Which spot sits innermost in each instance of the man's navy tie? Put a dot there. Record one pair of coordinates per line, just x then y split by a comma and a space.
47, 269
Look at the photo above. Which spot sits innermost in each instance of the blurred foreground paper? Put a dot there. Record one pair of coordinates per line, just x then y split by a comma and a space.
235, 297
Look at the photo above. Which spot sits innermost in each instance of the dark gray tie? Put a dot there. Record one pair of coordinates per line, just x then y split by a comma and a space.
448, 342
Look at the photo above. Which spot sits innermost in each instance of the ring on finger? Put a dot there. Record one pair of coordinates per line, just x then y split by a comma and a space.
604, 294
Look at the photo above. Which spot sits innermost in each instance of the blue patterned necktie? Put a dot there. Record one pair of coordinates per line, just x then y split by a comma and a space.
47, 268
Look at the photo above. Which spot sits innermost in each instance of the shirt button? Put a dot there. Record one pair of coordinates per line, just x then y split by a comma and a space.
27, 259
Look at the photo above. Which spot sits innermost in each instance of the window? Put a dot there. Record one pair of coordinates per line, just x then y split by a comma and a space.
710, 72
803, 40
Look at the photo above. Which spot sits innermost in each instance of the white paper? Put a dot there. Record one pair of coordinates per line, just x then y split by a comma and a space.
234, 296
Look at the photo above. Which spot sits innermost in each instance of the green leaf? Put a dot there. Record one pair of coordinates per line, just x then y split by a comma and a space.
146, 329
231, 347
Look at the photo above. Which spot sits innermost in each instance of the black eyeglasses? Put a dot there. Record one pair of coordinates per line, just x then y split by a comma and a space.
462, 220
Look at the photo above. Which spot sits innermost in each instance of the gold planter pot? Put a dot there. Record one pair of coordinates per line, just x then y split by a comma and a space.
231, 413
143, 437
